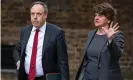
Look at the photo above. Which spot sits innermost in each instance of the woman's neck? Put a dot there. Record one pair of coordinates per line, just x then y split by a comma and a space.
101, 31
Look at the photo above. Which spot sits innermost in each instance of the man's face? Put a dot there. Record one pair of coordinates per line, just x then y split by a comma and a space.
100, 20
38, 15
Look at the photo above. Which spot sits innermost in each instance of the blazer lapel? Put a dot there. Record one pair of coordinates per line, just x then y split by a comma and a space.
81, 70
90, 38
46, 38
27, 34
26, 37
103, 43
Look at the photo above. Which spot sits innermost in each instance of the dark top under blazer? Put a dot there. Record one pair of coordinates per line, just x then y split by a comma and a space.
54, 52
109, 55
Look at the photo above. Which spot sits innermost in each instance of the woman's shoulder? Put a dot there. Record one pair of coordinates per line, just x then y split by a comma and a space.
92, 31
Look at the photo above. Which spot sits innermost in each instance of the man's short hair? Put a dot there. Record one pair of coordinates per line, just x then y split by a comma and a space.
41, 3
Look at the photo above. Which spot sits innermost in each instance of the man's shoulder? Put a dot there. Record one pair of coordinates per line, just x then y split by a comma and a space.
53, 27
26, 27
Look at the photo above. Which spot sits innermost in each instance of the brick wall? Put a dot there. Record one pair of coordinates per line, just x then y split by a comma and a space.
76, 19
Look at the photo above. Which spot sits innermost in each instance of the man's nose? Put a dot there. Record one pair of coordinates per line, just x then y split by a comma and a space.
35, 16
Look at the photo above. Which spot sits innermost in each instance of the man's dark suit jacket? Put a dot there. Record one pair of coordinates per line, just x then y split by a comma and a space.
54, 54
108, 65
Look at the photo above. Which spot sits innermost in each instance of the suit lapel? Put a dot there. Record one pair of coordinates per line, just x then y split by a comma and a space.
26, 37
84, 61
27, 34
90, 38
103, 43
46, 38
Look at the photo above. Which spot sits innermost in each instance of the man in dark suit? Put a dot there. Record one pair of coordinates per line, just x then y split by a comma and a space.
41, 48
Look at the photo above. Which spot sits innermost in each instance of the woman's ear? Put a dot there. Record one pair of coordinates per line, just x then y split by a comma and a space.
109, 21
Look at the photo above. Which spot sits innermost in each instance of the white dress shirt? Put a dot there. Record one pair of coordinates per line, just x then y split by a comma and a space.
29, 46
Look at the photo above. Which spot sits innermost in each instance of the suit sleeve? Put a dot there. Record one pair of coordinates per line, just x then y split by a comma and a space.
62, 56
17, 50
116, 47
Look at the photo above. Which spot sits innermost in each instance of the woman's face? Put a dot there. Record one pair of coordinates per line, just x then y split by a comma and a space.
100, 20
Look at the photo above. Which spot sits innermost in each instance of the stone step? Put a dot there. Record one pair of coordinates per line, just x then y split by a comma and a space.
8, 74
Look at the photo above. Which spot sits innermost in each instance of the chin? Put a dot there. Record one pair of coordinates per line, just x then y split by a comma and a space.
96, 25
35, 25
